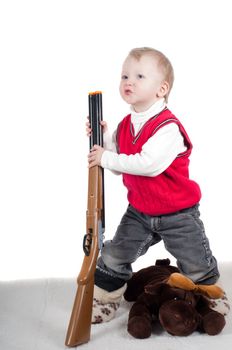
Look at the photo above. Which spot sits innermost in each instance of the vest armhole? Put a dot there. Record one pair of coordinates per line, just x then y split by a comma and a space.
188, 145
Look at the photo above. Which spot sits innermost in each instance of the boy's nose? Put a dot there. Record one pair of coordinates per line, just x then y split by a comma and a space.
129, 82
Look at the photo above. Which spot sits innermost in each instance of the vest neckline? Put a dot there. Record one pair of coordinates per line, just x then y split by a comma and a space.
136, 137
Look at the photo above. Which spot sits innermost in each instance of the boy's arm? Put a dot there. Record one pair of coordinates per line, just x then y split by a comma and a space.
109, 141
111, 145
156, 155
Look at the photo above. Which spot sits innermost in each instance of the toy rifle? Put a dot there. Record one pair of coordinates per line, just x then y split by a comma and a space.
80, 321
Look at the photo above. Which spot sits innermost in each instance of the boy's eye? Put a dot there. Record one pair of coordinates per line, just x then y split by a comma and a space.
140, 76
124, 77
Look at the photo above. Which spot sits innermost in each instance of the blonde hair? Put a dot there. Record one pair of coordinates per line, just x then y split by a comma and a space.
163, 63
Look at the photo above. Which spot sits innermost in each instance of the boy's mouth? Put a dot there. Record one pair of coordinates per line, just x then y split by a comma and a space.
128, 91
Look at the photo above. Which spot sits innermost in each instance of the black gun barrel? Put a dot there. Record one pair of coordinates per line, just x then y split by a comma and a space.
96, 136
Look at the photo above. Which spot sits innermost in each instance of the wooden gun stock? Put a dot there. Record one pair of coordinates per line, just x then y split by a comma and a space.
80, 322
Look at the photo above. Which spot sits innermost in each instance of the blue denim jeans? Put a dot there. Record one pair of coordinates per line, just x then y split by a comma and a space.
183, 235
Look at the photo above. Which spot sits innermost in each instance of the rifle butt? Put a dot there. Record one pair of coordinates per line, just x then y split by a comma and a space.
80, 322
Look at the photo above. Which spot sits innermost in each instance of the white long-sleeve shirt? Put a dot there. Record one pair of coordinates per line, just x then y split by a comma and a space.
157, 153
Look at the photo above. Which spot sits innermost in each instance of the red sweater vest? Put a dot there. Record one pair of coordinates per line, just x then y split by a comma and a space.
168, 192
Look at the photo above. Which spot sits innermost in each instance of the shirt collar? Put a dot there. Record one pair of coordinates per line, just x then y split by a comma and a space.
142, 117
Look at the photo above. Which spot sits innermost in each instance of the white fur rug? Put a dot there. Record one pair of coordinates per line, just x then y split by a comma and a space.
34, 315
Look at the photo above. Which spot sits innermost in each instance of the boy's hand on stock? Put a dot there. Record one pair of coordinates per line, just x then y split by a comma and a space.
95, 155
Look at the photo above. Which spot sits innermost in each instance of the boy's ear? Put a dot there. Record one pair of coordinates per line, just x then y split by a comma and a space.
164, 88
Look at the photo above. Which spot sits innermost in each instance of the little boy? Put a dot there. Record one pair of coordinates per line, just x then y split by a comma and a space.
151, 150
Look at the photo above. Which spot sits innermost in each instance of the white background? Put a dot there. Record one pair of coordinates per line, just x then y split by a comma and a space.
52, 54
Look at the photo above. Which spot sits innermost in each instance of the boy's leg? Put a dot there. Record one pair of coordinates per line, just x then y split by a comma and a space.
132, 239
184, 237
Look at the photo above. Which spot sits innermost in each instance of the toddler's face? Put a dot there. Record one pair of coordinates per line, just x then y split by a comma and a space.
141, 82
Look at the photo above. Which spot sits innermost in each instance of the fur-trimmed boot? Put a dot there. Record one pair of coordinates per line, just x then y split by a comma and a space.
221, 305
105, 304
